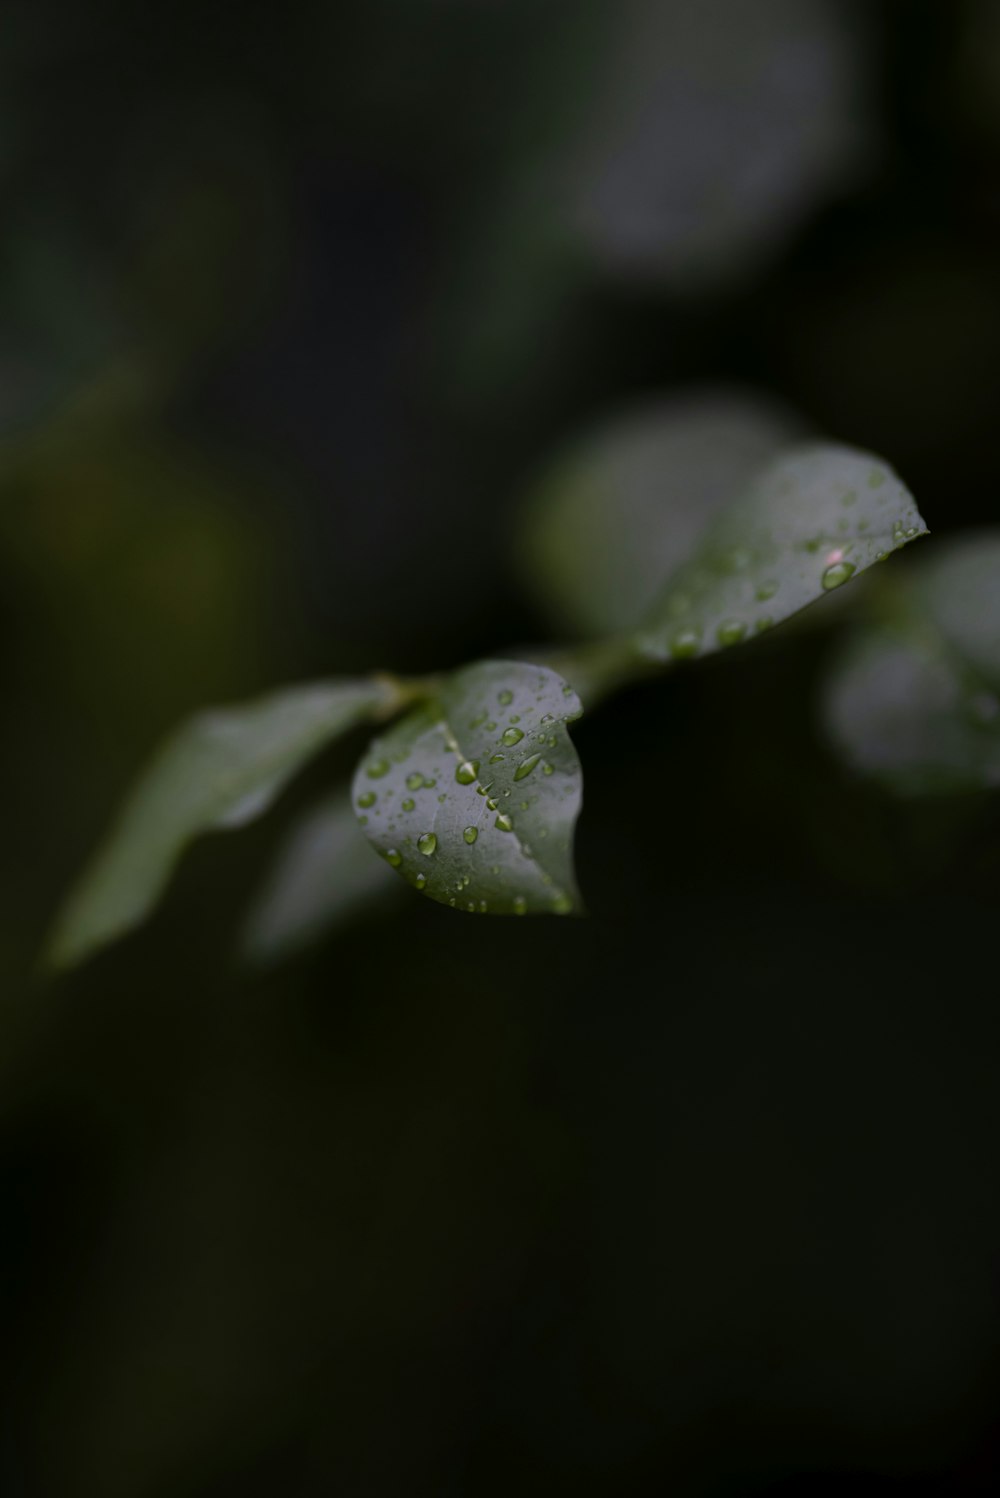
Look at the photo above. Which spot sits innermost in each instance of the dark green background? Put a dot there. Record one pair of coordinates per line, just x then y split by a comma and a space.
695, 1197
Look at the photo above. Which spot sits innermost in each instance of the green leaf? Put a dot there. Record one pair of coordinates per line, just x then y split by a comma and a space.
622, 509
326, 873
473, 797
809, 522
221, 770
915, 702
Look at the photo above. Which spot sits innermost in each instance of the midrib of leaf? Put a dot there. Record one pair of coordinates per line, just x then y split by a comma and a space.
451, 740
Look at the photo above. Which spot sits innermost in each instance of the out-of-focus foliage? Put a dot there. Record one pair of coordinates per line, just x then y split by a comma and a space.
681, 143
323, 877
913, 700
220, 771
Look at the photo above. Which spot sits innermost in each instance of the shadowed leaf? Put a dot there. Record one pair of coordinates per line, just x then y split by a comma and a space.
221, 770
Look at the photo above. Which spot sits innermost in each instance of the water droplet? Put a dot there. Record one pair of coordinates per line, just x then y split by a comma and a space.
504, 823
471, 907
520, 905
511, 736
430, 784
414, 781
526, 766
485, 788
839, 573
767, 590
731, 632
490, 726
545, 718
427, 844
376, 770
492, 805
483, 907
910, 532
505, 698
764, 622
409, 804
442, 799
548, 769
567, 690
495, 759
368, 799
393, 856
451, 902
420, 881
685, 643
470, 834
475, 722
467, 771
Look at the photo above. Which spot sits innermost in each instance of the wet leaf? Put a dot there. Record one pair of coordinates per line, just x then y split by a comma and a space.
474, 797
810, 522
617, 513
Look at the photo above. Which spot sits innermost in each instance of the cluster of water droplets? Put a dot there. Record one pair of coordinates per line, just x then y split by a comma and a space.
717, 576
468, 773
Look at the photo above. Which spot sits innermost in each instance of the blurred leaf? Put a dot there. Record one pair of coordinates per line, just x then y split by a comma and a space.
915, 702
325, 873
808, 523
717, 127
674, 144
624, 507
474, 796
220, 771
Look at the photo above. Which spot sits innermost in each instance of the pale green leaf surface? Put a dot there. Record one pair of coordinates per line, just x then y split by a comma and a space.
618, 512
221, 770
474, 796
915, 703
325, 874
809, 522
